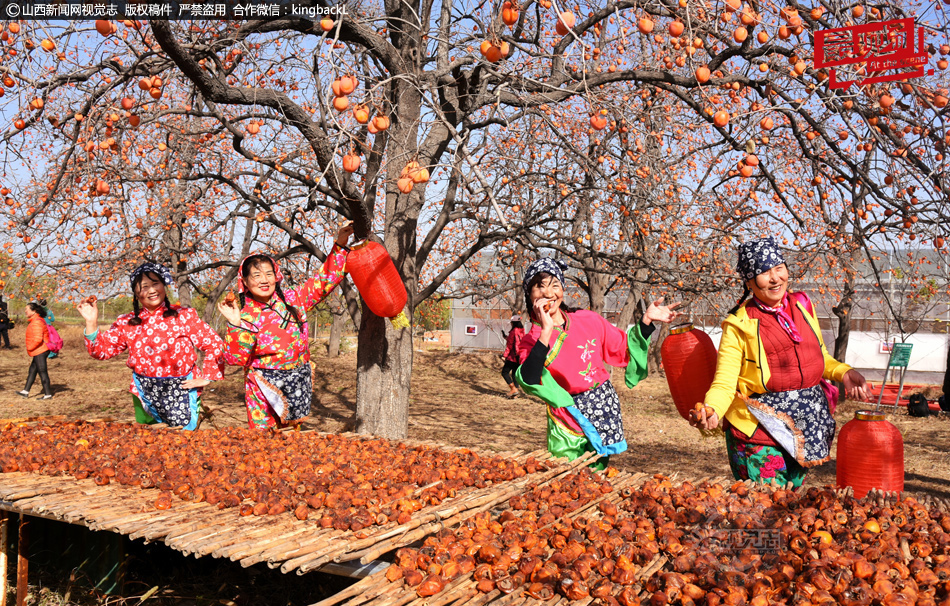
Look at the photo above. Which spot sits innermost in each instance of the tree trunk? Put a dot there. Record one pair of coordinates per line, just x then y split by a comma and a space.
384, 354
843, 312
336, 328
598, 290
629, 309
384, 367
655, 360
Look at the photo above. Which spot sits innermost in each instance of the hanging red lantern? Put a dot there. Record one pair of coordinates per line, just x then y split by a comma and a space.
689, 360
870, 454
378, 281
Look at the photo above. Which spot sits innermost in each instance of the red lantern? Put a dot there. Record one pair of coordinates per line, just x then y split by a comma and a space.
689, 359
377, 279
870, 454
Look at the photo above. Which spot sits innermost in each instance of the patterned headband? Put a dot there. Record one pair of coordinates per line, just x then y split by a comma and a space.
154, 268
757, 257
555, 267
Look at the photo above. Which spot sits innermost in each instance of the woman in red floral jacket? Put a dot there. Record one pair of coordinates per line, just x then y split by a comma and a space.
267, 334
162, 340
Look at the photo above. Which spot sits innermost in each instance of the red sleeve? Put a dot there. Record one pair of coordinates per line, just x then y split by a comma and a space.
325, 280
527, 342
112, 342
615, 349
511, 345
205, 339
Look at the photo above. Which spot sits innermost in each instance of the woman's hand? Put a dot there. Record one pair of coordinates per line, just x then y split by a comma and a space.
89, 313
703, 417
195, 383
544, 318
230, 311
855, 387
344, 233
661, 313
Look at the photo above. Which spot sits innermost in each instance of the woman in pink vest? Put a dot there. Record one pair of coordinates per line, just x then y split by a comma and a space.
771, 385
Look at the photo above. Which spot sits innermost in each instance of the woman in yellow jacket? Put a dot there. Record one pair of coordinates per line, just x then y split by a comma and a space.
768, 387
37, 336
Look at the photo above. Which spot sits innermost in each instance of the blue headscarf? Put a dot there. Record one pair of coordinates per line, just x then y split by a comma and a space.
154, 268
757, 257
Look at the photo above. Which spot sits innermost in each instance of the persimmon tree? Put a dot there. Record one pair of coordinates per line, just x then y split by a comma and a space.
754, 143
393, 116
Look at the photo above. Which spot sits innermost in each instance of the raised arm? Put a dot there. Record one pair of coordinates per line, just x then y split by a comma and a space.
108, 344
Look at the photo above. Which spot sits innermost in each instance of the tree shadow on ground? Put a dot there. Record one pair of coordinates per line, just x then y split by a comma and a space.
481, 373
331, 403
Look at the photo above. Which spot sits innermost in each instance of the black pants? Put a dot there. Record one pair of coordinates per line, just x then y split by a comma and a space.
38, 365
5, 336
507, 371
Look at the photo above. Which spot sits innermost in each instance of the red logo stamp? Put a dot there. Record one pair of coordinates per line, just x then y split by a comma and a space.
874, 52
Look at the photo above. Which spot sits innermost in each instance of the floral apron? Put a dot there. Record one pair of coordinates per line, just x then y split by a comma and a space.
798, 420
276, 397
167, 401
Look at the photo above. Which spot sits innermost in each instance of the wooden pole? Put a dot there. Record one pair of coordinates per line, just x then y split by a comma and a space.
4, 524
22, 562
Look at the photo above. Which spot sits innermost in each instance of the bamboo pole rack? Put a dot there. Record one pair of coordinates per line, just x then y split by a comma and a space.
281, 541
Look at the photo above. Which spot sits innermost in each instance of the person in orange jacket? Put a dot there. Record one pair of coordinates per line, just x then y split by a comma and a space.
37, 336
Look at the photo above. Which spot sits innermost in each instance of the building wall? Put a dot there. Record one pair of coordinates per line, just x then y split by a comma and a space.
487, 333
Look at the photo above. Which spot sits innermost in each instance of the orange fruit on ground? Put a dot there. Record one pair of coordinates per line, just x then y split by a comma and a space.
872, 526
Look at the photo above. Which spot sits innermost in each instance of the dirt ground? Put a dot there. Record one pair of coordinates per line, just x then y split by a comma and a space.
457, 399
